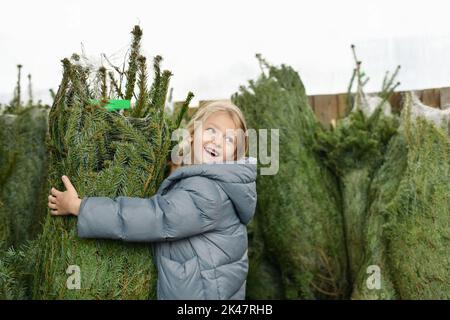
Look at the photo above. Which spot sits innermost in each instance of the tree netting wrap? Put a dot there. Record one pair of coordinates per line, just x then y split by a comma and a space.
105, 153
298, 212
439, 117
409, 233
373, 248
23, 168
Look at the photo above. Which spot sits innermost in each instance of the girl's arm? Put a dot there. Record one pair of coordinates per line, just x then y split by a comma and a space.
192, 208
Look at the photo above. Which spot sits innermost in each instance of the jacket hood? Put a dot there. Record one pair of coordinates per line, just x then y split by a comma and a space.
237, 179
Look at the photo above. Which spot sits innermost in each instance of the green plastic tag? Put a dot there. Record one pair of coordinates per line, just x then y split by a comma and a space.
117, 104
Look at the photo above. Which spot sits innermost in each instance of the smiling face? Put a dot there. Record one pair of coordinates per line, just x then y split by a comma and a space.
216, 141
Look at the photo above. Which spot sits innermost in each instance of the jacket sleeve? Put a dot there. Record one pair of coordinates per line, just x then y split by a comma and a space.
188, 209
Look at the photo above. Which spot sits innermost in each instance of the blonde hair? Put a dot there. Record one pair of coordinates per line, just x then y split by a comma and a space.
202, 114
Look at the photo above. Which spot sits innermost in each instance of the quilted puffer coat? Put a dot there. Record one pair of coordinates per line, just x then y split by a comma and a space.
196, 224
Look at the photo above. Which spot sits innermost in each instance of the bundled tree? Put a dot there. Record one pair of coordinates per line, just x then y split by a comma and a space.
105, 153
298, 212
408, 218
354, 150
23, 168
23, 175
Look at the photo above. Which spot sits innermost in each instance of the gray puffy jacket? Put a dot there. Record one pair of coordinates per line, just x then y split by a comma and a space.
196, 222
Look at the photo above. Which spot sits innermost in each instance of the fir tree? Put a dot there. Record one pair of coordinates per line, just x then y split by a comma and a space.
354, 150
105, 154
297, 214
23, 173
408, 214
23, 167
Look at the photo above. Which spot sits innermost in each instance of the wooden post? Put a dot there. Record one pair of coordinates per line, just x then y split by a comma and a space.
445, 97
431, 97
396, 102
311, 102
341, 105
326, 108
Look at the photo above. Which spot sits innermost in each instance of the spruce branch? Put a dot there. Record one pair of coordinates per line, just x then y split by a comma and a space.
156, 79
30, 91
183, 110
103, 88
115, 85
142, 100
17, 96
132, 63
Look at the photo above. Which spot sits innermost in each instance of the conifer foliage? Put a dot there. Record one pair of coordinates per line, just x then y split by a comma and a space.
354, 150
408, 214
23, 175
371, 194
104, 153
23, 166
23, 170
298, 221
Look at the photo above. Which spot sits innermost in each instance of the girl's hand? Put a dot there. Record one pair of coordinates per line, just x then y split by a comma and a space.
64, 203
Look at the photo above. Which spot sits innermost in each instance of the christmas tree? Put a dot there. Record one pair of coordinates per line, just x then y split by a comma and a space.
354, 150
105, 153
408, 216
23, 174
298, 214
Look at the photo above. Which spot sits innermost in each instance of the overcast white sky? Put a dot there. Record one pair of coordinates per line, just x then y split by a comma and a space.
210, 45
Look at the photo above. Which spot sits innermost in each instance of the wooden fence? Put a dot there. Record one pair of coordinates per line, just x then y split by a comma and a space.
332, 106
328, 107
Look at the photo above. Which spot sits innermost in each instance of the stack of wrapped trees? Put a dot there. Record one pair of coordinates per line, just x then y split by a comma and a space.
365, 207
394, 178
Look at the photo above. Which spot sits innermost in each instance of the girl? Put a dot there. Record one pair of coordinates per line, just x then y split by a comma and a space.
197, 219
